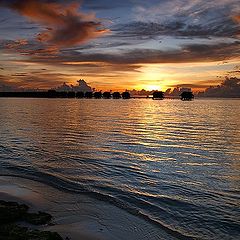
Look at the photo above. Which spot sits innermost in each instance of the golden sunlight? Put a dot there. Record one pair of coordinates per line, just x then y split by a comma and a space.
153, 77
153, 87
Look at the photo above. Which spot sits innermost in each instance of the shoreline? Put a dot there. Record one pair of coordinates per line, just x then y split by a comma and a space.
23, 194
76, 216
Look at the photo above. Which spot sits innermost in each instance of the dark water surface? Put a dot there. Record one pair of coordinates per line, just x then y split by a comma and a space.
175, 164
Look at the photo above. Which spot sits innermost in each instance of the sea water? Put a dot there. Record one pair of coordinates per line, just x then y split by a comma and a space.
174, 164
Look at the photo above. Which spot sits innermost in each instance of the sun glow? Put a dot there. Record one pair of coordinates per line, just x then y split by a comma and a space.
152, 77
153, 87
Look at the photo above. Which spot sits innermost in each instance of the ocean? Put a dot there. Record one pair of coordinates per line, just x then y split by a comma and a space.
172, 163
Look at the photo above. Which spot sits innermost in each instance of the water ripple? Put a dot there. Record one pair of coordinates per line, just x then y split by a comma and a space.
172, 163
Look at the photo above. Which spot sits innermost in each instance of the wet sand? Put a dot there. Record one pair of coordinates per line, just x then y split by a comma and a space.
77, 216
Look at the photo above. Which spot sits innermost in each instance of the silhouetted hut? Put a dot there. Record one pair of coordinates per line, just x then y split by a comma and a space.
116, 95
187, 96
126, 95
71, 94
158, 95
52, 93
107, 95
97, 95
62, 94
88, 95
80, 95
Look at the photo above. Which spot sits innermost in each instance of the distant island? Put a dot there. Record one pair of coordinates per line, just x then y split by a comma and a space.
229, 88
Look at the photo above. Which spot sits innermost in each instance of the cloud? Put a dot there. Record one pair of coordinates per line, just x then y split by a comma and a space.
195, 11
16, 44
22, 80
187, 53
178, 28
190, 85
237, 18
236, 70
7, 88
107, 4
187, 18
65, 25
230, 87
29, 48
62, 33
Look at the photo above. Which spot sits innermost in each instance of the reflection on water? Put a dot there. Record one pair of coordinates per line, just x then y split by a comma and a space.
174, 163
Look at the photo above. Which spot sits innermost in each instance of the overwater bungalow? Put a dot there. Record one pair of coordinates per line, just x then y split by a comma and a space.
116, 95
97, 95
71, 94
158, 95
62, 94
126, 95
88, 95
80, 94
186, 96
52, 93
107, 95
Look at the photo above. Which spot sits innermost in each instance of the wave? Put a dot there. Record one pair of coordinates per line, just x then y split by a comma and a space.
66, 185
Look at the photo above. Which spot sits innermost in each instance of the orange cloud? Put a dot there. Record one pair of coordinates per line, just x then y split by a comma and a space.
237, 18
16, 44
65, 25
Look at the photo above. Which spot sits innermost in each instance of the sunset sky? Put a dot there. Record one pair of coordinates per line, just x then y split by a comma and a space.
118, 45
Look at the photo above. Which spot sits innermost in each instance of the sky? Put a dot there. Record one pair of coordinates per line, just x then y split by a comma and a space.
118, 45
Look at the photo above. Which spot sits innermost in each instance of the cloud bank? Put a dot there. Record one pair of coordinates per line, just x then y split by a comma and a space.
230, 87
186, 54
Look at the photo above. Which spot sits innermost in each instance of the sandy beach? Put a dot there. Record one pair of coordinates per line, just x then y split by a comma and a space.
78, 216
